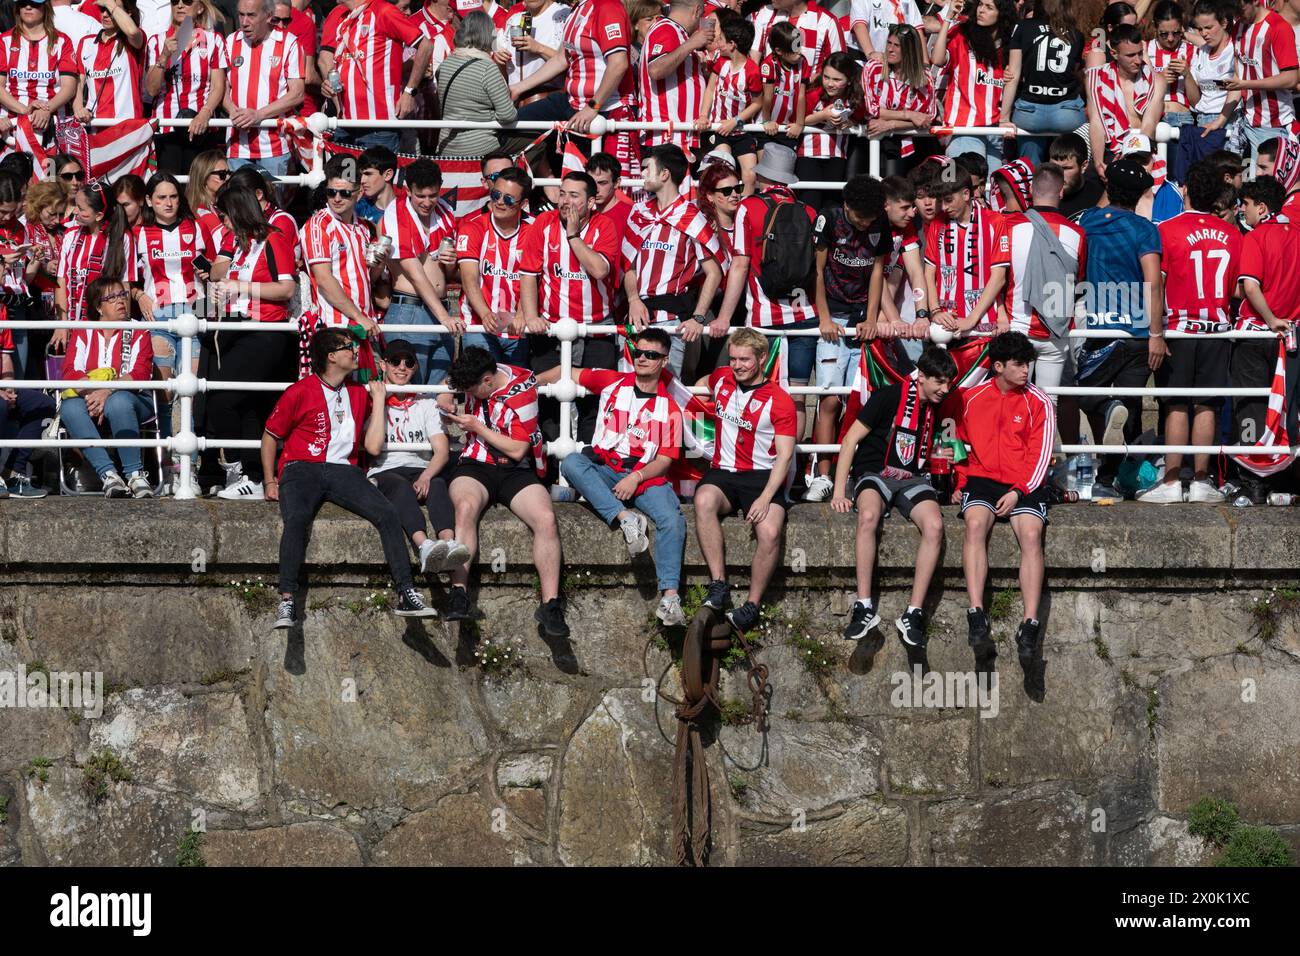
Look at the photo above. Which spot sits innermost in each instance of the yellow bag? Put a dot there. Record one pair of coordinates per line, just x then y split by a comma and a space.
94, 375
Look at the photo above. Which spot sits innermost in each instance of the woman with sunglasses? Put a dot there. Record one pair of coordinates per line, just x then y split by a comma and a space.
720, 193
98, 244
899, 94
252, 279
186, 84
39, 65
110, 66
1044, 91
107, 355
208, 172
71, 176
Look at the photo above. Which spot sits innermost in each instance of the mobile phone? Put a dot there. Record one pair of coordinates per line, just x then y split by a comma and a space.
202, 264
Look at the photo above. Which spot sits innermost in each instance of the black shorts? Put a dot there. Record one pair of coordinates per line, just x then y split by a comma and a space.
905, 494
984, 493
742, 488
763, 139
740, 144
502, 482
1196, 363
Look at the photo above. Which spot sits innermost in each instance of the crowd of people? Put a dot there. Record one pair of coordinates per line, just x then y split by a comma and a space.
1021, 197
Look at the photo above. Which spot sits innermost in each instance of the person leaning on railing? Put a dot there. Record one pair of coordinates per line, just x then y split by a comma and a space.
34, 46
110, 66
186, 83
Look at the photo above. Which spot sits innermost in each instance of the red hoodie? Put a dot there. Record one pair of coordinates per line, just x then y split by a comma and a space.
1008, 435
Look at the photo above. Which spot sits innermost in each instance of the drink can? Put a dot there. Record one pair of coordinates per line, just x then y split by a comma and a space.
1280, 498
1289, 337
1242, 501
335, 81
446, 246
1069, 496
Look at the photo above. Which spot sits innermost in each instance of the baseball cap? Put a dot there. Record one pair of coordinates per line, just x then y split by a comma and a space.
1135, 143
1128, 172
398, 348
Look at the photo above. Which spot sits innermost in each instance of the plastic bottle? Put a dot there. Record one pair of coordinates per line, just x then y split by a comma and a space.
1281, 498
1072, 475
1085, 476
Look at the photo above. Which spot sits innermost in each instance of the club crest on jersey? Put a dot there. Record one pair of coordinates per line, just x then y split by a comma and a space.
275, 61
237, 61
755, 405
905, 448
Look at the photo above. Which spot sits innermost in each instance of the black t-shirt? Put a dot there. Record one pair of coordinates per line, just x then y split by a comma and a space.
1049, 69
904, 455
852, 254
1089, 195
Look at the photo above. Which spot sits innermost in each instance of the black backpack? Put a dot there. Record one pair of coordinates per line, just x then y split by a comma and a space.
786, 249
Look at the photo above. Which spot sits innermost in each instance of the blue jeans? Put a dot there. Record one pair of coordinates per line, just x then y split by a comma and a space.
378, 137
19, 313
990, 147
1051, 119
433, 352
1255, 137
800, 352
594, 481
505, 351
28, 416
124, 411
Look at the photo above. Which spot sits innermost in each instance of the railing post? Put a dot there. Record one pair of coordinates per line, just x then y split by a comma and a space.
186, 385
567, 331
873, 156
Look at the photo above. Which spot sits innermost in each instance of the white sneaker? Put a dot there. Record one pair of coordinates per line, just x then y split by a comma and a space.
432, 553
1202, 492
1165, 493
457, 555
244, 490
670, 611
819, 489
633, 528
114, 486
138, 482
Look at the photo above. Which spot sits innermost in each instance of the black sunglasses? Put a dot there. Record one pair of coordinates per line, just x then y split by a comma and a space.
497, 195
339, 193
354, 347
72, 177
404, 361
729, 190
220, 173
281, 21
650, 354
27, 3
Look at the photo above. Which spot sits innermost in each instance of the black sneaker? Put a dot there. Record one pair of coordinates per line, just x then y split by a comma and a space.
1027, 641
717, 596
981, 642
410, 604
862, 619
551, 616
458, 606
744, 617
286, 615
911, 628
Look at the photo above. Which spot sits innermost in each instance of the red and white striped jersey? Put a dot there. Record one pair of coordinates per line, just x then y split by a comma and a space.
828, 145
631, 424
81, 262
114, 72
788, 85
1159, 58
748, 421
764, 312
367, 48
509, 411
187, 82
33, 68
127, 352
167, 260
499, 257
1200, 257
666, 247
402, 224
595, 30
821, 34
974, 94
1112, 105
326, 238
260, 75
878, 16
564, 289
269, 261
287, 225
735, 89
1265, 49
13, 235
964, 258
442, 34
1024, 318
677, 97
891, 92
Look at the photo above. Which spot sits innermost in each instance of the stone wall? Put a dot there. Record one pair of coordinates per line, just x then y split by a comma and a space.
362, 738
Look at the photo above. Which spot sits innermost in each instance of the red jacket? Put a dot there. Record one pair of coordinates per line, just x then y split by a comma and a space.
90, 348
1008, 435
301, 419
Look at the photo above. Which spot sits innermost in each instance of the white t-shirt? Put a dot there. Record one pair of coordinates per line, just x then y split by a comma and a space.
343, 434
155, 16
75, 24
548, 30
879, 16
416, 421
1210, 73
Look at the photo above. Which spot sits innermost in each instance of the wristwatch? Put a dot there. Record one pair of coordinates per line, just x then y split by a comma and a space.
408, 90
593, 104
922, 313
697, 318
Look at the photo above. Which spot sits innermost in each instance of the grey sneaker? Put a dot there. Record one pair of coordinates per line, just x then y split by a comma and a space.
432, 553
457, 555
670, 611
286, 615
633, 528
20, 486
138, 482
114, 486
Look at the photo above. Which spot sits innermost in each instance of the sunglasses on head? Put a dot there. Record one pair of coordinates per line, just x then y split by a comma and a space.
73, 177
650, 354
729, 190
498, 196
339, 193
403, 361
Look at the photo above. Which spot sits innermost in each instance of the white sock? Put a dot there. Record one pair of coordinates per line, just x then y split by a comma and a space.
911, 608
865, 602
